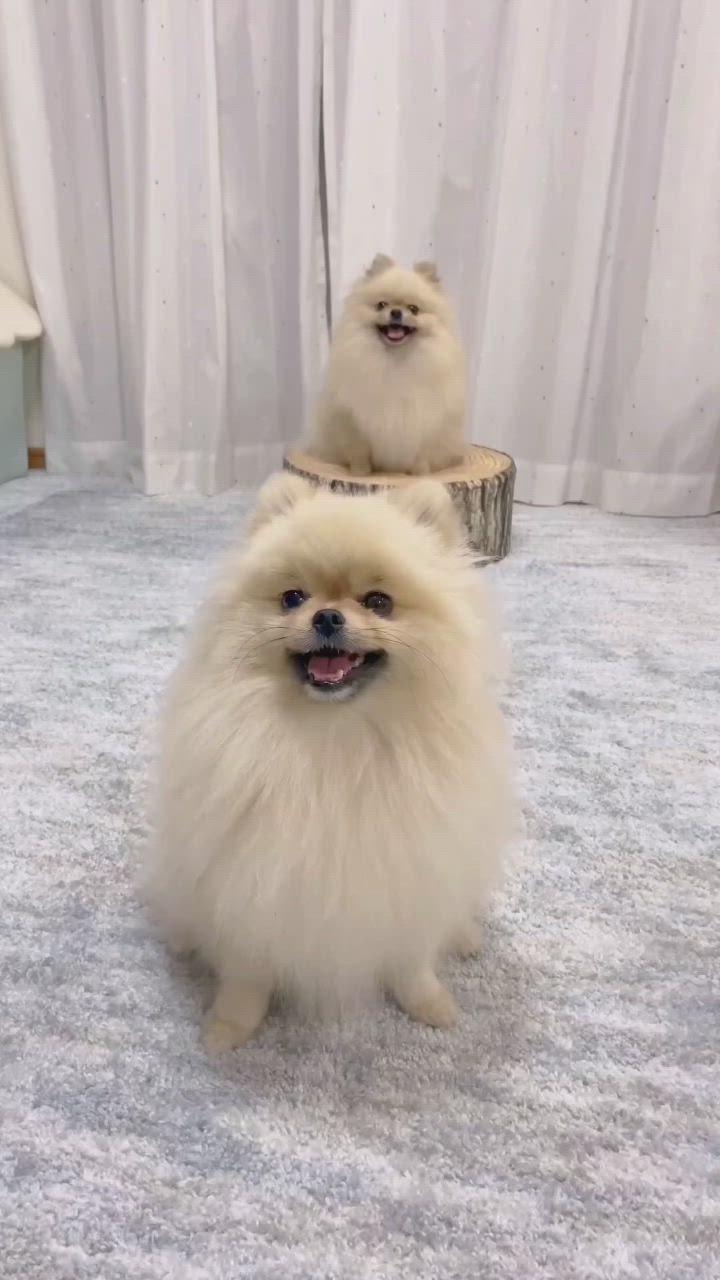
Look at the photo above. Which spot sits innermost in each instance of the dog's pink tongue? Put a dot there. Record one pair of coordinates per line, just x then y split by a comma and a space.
395, 334
330, 670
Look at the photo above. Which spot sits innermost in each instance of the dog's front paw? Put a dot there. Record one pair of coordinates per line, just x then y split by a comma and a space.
219, 1035
438, 1009
467, 941
235, 1016
424, 999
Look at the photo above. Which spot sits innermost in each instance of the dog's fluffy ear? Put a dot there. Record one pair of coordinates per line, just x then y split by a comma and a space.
381, 262
428, 502
279, 495
428, 271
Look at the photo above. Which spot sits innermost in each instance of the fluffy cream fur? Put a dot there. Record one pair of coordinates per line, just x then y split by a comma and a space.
329, 849
394, 408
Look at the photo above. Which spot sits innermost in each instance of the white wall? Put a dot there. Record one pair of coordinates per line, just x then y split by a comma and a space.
14, 273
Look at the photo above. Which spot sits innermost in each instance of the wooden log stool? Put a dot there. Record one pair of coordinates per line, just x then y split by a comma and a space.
481, 488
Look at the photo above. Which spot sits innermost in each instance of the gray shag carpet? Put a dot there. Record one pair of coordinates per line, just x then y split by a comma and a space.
568, 1129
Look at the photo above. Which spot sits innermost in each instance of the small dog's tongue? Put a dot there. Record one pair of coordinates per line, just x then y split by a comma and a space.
395, 333
331, 670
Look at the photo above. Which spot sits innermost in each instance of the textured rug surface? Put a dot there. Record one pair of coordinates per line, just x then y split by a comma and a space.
568, 1128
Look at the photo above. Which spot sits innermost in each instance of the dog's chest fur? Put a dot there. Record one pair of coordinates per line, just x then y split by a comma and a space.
344, 855
401, 398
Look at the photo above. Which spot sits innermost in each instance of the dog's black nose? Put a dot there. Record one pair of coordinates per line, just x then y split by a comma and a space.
396, 315
327, 622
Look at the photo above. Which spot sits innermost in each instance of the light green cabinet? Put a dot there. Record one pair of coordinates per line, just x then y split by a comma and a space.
13, 436
19, 323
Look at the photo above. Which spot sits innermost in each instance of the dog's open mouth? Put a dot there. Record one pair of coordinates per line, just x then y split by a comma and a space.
395, 334
334, 672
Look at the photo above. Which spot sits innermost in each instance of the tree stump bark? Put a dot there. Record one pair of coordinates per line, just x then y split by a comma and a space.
481, 488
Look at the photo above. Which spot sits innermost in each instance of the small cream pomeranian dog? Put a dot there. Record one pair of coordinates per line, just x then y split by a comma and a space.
394, 394
335, 788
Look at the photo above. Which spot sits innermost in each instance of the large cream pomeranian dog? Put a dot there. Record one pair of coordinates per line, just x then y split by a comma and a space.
395, 386
335, 789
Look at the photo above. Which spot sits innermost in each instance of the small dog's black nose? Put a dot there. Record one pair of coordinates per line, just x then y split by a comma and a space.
327, 622
396, 315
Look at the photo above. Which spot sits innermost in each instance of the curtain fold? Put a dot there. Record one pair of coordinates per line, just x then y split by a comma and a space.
165, 159
198, 181
561, 162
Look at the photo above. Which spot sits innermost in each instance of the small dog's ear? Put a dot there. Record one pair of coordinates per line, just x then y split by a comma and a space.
279, 495
428, 502
380, 263
428, 271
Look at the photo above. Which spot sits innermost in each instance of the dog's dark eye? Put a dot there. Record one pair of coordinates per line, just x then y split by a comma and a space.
293, 599
380, 306
413, 309
379, 602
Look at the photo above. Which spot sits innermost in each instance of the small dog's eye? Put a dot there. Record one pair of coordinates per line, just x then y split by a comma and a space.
380, 306
379, 602
293, 599
413, 309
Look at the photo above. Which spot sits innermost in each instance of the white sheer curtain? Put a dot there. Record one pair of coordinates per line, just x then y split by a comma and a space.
165, 159
561, 161
559, 158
